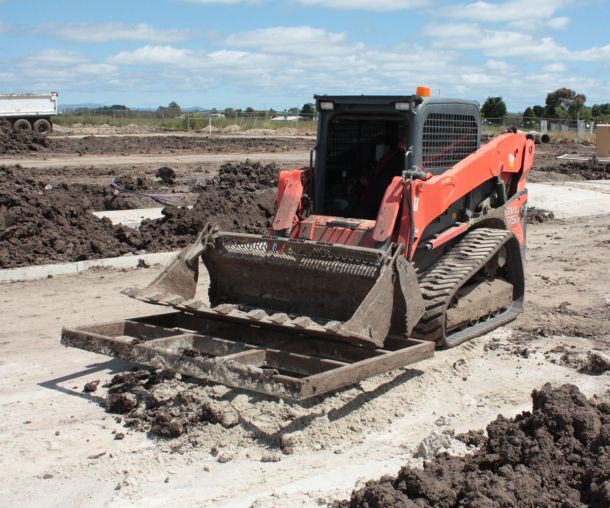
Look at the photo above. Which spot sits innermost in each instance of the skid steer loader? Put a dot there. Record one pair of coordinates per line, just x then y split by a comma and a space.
402, 235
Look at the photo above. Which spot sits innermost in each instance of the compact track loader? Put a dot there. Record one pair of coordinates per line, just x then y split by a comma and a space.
402, 235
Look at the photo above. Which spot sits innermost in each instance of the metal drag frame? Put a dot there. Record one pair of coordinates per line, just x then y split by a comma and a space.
293, 366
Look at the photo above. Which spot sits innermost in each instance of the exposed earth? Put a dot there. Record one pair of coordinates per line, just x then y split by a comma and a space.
86, 429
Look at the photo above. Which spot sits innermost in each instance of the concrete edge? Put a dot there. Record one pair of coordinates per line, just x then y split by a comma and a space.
37, 272
581, 158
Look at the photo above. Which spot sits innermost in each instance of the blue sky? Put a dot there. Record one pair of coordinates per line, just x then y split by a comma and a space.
271, 53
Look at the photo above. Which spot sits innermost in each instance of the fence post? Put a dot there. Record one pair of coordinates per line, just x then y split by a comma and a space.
210, 124
543, 126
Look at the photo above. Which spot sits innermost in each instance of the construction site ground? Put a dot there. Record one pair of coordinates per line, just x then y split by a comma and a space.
62, 448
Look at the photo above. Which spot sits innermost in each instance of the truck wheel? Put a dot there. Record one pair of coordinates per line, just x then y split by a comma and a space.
23, 124
42, 126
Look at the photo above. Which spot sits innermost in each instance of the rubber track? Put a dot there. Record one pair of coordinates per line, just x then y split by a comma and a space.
442, 280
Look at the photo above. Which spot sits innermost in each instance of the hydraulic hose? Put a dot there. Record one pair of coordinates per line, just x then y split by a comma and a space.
164, 199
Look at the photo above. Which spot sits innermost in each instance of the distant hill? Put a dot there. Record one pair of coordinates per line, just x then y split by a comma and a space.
92, 105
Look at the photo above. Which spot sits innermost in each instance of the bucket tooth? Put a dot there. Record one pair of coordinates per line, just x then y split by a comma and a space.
225, 308
303, 322
156, 298
173, 300
279, 318
130, 292
193, 304
257, 314
333, 326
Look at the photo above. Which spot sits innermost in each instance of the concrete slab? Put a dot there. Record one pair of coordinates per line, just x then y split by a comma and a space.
44, 271
130, 218
569, 200
582, 158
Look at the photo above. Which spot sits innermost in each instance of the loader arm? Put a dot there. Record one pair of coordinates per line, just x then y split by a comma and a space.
507, 154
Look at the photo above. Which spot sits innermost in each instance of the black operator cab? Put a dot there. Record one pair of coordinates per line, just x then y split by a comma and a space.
365, 141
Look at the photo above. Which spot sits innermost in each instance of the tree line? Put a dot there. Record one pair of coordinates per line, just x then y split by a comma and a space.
173, 110
563, 104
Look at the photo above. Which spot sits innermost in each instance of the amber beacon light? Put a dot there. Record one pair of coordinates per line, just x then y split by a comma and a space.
423, 91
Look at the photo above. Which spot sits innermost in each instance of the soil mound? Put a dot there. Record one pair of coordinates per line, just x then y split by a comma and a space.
18, 141
42, 223
164, 405
592, 169
241, 198
556, 455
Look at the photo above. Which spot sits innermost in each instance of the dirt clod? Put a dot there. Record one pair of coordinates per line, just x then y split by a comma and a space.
596, 363
555, 455
538, 215
165, 406
91, 386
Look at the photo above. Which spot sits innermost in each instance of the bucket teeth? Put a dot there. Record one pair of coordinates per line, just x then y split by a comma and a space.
279, 318
257, 314
130, 292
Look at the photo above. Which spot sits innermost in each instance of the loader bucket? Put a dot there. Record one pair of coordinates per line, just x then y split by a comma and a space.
348, 293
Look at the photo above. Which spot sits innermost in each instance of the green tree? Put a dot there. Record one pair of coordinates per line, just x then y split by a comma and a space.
538, 111
600, 111
174, 109
308, 110
229, 112
171, 111
494, 109
564, 103
529, 118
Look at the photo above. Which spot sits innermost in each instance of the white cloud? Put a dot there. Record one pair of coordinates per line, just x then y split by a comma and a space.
537, 25
155, 55
4, 27
56, 57
559, 23
302, 40
497, 65
511, 10
554, 67
504, 43
368, 5
113, 31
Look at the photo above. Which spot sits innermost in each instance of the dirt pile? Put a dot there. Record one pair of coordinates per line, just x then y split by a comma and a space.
241, 198
42, 223
164, 405
556, 455
90, 145
19, 141
591, 169
539, 215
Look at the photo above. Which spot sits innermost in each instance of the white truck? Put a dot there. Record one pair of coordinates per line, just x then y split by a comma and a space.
29, 111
